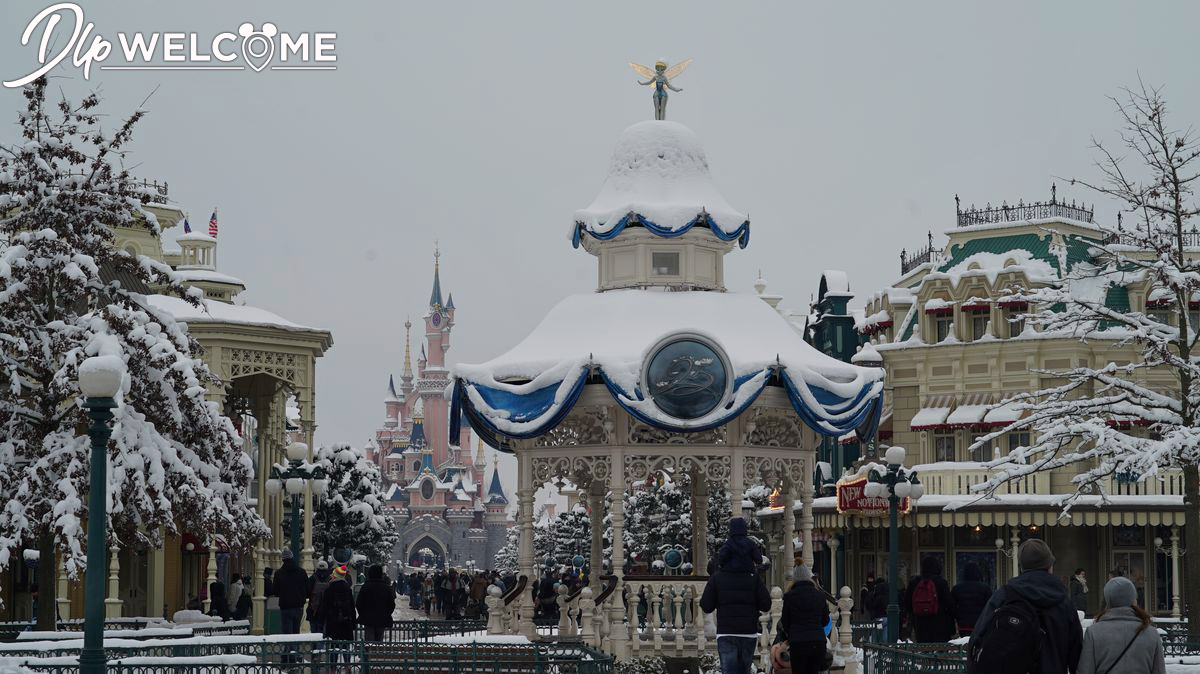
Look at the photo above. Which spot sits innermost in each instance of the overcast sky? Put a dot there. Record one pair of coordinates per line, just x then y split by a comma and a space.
844, 129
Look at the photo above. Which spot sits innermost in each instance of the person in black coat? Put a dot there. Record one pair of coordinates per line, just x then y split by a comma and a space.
375, 603
291, 586
1063, 641
337, 607
938, 627
738, 595
219, 605
970, 596
805, 614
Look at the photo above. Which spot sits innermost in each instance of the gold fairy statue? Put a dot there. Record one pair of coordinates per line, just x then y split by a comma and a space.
660, 77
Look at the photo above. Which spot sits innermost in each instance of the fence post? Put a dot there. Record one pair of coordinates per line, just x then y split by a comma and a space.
587, 609
495, 606
564, 612
844, 647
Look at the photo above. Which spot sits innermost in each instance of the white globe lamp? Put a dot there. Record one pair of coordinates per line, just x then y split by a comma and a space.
295, 485
100, 376
903, 489
894, 456
273, 486
319, 486
297, 451
918, 490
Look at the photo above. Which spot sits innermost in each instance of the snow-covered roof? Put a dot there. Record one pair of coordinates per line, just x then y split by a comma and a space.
220, 312
196, 236
929, 417
836, 282
659, 174
866, 354
209, 276
529, 389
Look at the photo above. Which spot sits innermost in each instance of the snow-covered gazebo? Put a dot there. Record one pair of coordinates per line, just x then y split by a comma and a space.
661, 369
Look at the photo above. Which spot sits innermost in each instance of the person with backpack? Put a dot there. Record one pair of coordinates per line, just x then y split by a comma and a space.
1029, 625
317, 584
1122, 640
970, 595
336, 611
375, 603
802, 623
737, 593
930, 604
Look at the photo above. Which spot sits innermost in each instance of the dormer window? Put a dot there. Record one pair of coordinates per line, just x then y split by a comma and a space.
665, 263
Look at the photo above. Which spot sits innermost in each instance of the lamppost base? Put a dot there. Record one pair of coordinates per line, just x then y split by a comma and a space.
92, 661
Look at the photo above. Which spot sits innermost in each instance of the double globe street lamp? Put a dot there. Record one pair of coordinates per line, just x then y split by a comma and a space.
100, 380
295, 477
895, 483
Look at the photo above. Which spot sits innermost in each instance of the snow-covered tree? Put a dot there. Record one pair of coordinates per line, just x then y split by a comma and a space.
351, 513
1109, 420
506, 557
176, 463
571, 534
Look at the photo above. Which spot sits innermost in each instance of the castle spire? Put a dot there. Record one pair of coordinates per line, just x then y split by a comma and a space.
496, 490
407, 377
480, 460
435, 298
392, 388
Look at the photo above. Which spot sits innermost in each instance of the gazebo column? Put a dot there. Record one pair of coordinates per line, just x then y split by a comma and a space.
737, 486
699, 523
525, 493
788, 536
619, 639
596, 521
1015, 539
806, 514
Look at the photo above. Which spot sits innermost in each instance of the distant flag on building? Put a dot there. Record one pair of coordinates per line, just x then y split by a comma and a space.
187, 228
212, 224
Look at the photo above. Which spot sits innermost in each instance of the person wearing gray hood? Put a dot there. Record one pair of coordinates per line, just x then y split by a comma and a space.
1122, 640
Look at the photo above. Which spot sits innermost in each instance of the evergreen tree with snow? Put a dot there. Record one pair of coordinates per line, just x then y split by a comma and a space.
1107, 420
572, 535
506, 557
351, 512
176, 463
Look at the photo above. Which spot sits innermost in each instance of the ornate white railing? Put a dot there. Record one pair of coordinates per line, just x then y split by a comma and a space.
662, 616
958, 482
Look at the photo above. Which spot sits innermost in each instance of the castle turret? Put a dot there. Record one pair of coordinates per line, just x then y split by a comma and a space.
392, 404
406, 377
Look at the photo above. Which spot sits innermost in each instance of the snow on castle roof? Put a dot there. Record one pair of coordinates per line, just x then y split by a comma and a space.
660, 173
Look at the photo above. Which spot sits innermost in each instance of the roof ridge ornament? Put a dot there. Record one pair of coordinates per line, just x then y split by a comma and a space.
660, 77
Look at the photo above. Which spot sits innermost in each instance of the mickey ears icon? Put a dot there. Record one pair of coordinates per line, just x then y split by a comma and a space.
268, 30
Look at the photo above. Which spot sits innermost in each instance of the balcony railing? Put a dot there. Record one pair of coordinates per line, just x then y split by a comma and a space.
910, 261
156, 192
1038, 210
1191, 239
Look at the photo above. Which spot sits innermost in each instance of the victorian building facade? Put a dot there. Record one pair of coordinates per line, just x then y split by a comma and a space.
954, 348
446, 510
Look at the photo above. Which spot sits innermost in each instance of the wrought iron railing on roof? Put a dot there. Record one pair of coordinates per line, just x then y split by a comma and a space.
156, 192
1138, 239
910, 261
1038, 210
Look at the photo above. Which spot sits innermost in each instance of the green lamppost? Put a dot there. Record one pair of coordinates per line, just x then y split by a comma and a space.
295, 477
895, 483
99, 381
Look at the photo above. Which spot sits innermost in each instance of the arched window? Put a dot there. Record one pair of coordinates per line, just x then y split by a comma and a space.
416, 466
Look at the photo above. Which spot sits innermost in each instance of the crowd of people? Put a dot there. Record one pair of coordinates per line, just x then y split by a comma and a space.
452, 594
1031, 624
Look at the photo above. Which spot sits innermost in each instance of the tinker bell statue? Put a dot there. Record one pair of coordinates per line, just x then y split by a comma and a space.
660, 77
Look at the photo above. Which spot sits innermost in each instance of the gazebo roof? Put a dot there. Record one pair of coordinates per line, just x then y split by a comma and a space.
658, 178
531, 388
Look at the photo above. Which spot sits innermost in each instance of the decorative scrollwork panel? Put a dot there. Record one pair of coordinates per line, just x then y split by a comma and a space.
772, 428
584, 426
580, 470
644, 434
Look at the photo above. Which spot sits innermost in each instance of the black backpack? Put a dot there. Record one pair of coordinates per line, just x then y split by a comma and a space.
1011, 641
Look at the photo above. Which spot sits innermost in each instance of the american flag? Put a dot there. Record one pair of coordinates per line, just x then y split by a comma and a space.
212, 224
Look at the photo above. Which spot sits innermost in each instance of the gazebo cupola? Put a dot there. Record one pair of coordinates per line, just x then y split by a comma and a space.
659, 221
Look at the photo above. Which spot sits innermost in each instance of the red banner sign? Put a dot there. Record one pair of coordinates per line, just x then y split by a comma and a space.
852, 501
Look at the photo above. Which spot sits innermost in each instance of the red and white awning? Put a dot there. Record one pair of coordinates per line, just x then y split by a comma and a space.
933, 415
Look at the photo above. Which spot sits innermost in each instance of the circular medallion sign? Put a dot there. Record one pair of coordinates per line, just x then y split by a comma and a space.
673, 559
427, 490
687, 378
436, 318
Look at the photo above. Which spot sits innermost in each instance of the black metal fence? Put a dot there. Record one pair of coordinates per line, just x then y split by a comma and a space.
1039, 210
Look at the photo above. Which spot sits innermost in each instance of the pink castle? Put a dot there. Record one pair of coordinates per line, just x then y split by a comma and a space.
435, 489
